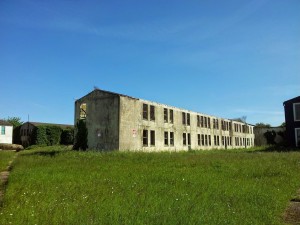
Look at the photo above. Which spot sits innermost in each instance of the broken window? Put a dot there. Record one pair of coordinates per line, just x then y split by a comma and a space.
184, 138
189, 139
201, 121
83, 111
166, 115
205, 122
171, 116
199, 139
188, 119
145, 111
198, 121
172, 138
152, 137
166, 138
209, 140
206, 143
208, 122
202, 139
183, 118
152, 112
145, 137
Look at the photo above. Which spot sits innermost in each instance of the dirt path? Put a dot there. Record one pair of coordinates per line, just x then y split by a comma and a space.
4, 179
292, 213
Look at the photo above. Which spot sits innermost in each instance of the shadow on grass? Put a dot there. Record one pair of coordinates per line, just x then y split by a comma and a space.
279, 148
43, 153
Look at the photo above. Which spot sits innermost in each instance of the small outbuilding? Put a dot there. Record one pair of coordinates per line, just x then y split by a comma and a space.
6, 132
292, 120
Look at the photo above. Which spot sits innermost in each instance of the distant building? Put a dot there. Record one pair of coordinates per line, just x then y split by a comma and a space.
27, 128
6, 132
292, 120
119, 122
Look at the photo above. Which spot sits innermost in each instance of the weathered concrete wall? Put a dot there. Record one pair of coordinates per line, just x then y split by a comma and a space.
7, 137
260, 132
132, 125
102, 119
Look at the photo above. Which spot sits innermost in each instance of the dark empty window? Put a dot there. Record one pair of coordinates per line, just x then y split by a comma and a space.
205, 122
145, 137
166, 115
171, 116
201, 121
189, 139
184, 138
188, 119
145, 111
202, 139
209, 140
198, 121
152, 137
199, 139
172, 138
166, 138
208, 122
183, 118
152, 112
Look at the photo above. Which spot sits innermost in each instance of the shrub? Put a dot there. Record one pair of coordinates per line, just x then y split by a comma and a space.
53, 134
81, 136
46, 135
67, 136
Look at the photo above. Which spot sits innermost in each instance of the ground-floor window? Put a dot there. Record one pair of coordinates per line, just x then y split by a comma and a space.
172, 138
152, 137
3, 130
145, 137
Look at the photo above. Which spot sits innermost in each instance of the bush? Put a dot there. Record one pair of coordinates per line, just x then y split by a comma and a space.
46, 135
67, 136
53, 135
81, 136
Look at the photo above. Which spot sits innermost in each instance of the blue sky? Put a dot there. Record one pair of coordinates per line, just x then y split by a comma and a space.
228, 58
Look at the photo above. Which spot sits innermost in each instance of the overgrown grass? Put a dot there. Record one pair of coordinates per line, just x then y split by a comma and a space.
56, 186
5, 158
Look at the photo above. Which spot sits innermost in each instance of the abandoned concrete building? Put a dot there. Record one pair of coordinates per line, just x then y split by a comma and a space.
119, 122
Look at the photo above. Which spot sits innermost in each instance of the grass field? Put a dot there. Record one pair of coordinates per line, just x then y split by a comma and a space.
56, 186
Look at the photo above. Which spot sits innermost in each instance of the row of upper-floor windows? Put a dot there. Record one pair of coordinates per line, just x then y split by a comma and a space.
202, 121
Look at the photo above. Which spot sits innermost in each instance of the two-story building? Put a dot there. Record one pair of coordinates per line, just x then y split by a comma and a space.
119, 122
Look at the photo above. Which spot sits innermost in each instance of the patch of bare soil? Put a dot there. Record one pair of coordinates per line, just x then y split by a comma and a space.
292, 213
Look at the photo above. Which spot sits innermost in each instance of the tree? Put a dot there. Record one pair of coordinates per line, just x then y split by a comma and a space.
262, 125
81, 136
15, 121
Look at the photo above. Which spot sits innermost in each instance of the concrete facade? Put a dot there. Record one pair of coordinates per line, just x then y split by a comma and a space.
6, 132
120, 122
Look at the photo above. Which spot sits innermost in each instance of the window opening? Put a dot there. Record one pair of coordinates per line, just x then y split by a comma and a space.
166, 115
172, 138
145, 111
166, 138
152, 137
145, 137
83, 111
152, 112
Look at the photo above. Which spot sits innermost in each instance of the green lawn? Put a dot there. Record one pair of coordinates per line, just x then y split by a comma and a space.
56, 186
